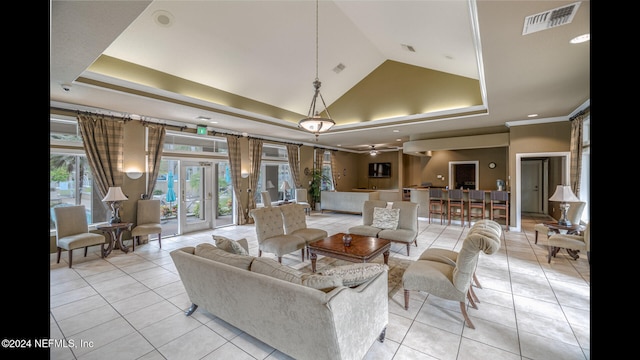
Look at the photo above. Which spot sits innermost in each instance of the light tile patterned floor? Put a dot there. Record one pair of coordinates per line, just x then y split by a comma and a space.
131, 306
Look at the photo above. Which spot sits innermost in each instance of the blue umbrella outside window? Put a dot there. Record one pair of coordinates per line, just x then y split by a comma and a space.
171, 194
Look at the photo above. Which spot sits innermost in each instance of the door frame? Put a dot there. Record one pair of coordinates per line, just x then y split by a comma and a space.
566, 162
472, 162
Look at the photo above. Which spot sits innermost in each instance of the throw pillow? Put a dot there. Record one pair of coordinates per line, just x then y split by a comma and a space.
384, 218
229, 245
214, 253
355, 274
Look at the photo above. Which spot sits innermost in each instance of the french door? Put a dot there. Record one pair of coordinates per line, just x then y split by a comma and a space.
196, 196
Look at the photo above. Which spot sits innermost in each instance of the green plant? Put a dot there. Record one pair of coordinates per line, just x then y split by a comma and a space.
317, 178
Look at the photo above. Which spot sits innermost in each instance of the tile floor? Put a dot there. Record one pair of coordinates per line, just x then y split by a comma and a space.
131, 306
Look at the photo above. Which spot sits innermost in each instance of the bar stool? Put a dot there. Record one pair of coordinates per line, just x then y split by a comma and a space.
455, 203
476, 201
500, 202
436, 204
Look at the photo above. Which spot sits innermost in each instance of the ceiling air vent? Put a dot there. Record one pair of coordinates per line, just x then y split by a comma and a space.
550, 19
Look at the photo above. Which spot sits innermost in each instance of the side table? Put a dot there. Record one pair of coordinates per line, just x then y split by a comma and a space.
114, 233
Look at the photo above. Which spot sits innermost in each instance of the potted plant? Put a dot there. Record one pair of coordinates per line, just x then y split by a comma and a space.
315, 186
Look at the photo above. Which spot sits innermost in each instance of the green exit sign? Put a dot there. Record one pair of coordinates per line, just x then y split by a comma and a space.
202, 130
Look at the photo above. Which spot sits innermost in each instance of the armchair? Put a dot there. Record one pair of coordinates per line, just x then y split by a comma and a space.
295, 223
301, 198
270, 233
450, 279
147, 221
366, 229
72, 231
572, 243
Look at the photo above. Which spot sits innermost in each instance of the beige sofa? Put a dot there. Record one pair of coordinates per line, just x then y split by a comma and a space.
284, 308
346, 201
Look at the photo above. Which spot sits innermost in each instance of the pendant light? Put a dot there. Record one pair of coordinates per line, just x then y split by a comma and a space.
373, 151
315, 123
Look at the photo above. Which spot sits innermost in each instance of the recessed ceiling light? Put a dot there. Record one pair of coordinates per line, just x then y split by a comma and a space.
163, 18
396, 130
532, 115
398, 139
580, 39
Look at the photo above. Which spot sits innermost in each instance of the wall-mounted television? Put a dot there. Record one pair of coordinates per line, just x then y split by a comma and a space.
380, 170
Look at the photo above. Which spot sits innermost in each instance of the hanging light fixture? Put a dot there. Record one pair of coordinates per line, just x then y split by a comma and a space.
315, 123
373, 151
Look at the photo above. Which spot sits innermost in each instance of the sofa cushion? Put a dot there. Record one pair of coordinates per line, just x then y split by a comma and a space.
212, 252
355, 274
229, 245
274, 269
384, 218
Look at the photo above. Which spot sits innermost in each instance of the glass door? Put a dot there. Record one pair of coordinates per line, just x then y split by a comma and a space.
196, 196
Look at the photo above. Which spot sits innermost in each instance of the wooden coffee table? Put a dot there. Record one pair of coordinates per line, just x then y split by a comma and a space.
362, 249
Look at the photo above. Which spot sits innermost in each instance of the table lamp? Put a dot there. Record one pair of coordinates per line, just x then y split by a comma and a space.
113, 198
285, 189
564, 195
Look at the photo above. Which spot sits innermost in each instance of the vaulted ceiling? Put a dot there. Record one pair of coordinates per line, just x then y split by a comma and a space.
391, 71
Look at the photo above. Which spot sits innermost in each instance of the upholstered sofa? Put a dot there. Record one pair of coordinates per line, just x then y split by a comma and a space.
306, 316
346, 201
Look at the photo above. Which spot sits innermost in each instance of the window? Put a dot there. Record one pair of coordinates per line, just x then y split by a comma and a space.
175, 142
70, 177
585, 184
274, 170
327, 185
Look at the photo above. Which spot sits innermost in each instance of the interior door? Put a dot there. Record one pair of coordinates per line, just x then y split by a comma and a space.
196, 196
531, 186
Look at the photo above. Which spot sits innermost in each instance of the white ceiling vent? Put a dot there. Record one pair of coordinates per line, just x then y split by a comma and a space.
550, 19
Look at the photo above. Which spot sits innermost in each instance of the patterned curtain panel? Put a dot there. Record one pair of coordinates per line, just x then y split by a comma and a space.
155, 143
319, 155
576, 152
235, 163
255, 159
293, 153
102, 139
334, 171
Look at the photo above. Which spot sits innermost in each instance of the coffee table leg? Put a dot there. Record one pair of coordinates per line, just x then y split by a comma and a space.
313, 258
386, 257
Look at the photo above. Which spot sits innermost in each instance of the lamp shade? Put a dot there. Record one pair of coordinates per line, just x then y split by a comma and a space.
285, 186
115, 194
316, 124
563, 194
270, 184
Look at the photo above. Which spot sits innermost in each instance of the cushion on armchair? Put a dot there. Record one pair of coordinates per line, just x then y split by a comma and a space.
384, 218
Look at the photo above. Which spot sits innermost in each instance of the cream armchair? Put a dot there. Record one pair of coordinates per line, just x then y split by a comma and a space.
147, 221
406, 231
450, 279
72, 231
572, 243
295, 223
270, 233
301, 198
574, 214
366, 229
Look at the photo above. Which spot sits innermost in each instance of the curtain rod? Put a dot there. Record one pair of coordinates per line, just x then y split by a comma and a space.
582, 112
145, 120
